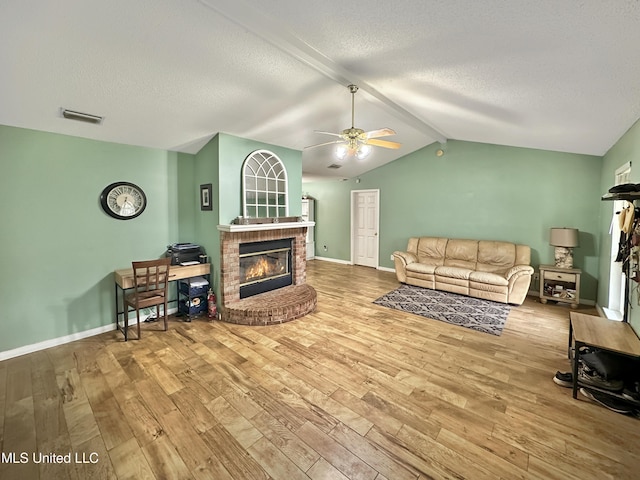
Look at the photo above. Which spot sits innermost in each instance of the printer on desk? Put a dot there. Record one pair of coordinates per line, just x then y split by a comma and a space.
188, 253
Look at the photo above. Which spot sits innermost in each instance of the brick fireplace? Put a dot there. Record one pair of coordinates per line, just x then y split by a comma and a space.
276, 306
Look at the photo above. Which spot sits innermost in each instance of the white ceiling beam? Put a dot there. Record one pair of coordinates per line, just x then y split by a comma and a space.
278, 34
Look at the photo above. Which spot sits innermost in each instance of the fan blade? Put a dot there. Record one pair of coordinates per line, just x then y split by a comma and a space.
323, 144
383, 143
328, 133
383, 132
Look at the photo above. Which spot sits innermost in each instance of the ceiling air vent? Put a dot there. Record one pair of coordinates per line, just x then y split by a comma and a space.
334, 166
81, 117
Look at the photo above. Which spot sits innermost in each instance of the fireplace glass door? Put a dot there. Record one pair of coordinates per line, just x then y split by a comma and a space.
264, 266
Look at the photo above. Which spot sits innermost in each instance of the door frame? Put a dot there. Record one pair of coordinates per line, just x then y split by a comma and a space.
617, 280
353, 223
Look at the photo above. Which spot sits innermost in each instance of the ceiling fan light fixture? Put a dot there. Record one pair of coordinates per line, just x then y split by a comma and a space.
363, 151
355, 141
342, 151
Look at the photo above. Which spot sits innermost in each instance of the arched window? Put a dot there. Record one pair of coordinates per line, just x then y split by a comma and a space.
264, 186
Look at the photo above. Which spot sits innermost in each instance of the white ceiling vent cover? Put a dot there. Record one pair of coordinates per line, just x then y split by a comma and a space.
81, 117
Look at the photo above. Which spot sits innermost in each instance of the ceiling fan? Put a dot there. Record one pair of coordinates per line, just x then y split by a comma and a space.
355, 141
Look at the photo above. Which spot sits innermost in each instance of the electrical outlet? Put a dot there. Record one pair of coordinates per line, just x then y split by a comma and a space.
536, 276
391, 257
324, 248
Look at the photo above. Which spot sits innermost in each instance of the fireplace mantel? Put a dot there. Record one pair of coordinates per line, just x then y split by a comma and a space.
264, 226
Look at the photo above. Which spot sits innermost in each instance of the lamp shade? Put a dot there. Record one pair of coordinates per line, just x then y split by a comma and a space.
563, 237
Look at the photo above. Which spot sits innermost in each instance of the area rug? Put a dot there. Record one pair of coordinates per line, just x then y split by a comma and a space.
481, 315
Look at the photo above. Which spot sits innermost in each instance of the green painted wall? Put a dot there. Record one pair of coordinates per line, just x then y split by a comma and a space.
186, 200
627, 149
332, 217
205, 221
59, 248
233, 152
477, 191
220, 163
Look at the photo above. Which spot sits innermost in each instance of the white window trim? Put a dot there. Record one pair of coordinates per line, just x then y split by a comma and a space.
267, 162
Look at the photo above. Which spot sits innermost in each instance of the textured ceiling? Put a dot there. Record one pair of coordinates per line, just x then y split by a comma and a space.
167, 74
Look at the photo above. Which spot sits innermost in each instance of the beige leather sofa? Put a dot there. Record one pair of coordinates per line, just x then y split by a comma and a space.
498, 271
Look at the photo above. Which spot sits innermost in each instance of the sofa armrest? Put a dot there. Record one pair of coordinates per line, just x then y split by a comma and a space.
401, 260
519, 278
518, 270
405, 257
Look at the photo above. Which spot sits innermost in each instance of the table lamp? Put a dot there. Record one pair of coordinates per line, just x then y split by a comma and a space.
564, 239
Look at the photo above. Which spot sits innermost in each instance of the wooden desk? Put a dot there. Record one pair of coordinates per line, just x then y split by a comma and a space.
123, 279
599, 332
124, 276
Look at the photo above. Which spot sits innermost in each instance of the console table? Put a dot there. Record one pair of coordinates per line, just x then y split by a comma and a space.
124, 280
599, 332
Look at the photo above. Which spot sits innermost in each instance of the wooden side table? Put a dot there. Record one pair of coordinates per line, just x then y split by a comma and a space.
560, 284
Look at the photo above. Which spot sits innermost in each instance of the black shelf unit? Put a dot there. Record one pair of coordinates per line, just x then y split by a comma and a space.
630, 197
192, 297
574, 353
611, 393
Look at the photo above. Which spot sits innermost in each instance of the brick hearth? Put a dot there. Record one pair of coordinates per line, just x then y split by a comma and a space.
276, 306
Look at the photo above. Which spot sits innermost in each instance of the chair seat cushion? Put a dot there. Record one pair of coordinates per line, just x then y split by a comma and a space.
145, 299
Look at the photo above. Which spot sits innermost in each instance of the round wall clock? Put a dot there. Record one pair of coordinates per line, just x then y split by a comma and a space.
123, 200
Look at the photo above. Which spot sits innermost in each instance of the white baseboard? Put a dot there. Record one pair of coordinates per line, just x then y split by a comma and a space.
346, 262
54, 342
334, 260
387, 269
608, 313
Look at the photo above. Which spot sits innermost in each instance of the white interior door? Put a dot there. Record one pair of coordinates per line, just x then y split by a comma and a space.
364, 227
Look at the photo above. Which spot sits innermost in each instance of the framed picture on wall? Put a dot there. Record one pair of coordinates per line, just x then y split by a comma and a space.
205, 197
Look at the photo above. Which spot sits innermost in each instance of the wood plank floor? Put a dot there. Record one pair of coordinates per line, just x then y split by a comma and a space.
352, 391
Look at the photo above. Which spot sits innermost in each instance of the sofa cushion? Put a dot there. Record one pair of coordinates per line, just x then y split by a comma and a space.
496, 257
488, 278
431, 250
461, 253
421, 268
454, 272
489, 292
523, 255
412, 246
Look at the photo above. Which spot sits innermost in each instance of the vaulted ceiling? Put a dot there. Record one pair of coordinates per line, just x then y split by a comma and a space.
171, 74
